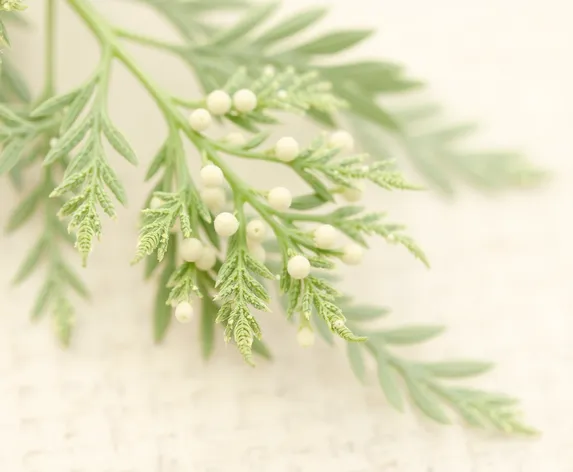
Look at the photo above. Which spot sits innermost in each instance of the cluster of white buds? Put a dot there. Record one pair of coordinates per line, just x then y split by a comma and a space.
325, 237
213, 193
193, 250
219, 103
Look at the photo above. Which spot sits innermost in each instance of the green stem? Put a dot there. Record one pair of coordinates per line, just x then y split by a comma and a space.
107, 37
50, 49
149, 41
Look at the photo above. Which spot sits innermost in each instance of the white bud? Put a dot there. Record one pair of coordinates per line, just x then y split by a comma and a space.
287, 149
218, 102
53, 142
338, 324
200, 119
257, 251
214, 198
256, 230
282, 94
280, 198
207, 260
183, 312
245, 100
226, 224
236, 139
353, 254
305, 337
212, 176
341, 140
354, 194
155, 203
269, 71
325, 236
298, 267
191, 249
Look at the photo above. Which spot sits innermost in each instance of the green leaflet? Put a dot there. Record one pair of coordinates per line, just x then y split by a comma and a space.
207, 330
118, 141
388, 380
252, 18
54, 104
356, 359
10, 155
410, 334
290, 26
457, 369
332, 43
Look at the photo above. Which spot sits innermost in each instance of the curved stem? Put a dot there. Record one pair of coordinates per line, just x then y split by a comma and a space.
149, 41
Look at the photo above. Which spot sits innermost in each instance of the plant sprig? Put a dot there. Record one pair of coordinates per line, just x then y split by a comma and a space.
204, 245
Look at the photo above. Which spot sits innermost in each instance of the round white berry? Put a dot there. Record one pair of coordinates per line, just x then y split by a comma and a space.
226, 224
341, 140
183, 312
212, 176
256, 230
338, 324
236, 139
280, 198
155, 203
282, 94
287, 149
245, 100
353, 254
305, 337
191, 249
257, 251
53, 142
218, 102
325, 236
298, 267
354, 194
214, 198
207, 260
200, 119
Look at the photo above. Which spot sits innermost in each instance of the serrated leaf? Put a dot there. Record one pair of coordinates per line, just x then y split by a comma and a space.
114, 184
290, 26
457, 369
23, 211
356, 359
411, 334
53, 104
388, 380
31, 262
118, 141
254, 17
332, 43
11, 154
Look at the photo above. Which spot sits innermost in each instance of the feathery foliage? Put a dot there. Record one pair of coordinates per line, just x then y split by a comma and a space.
201, 236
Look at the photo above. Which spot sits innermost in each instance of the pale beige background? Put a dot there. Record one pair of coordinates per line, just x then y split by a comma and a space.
501, 280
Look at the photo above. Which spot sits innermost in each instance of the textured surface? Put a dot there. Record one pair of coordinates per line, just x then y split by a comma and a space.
501, 281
